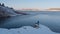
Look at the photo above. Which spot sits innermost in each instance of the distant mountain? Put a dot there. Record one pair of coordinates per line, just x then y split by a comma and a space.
54, 9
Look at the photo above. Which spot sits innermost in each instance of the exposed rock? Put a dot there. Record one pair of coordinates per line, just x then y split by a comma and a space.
6, 11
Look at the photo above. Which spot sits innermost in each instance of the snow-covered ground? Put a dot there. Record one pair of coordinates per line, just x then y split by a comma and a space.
28, 30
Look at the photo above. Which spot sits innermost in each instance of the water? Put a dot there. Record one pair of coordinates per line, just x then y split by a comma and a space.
49, 19
52, 21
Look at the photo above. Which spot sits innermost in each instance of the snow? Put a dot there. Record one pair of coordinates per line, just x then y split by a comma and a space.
28, 30
7, 10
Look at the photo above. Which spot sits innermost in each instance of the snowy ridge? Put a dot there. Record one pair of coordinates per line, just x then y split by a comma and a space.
28, 30
6, 11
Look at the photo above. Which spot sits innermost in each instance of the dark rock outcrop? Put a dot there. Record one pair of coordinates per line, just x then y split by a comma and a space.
6, 11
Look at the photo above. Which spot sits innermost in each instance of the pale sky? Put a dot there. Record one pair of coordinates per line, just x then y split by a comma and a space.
19, 4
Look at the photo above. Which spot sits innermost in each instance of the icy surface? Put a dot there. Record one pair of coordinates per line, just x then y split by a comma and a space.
28, 30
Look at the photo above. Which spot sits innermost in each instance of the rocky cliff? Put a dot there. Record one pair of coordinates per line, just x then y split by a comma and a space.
6, 11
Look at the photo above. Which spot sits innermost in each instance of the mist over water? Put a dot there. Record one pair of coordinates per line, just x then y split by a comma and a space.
49, 19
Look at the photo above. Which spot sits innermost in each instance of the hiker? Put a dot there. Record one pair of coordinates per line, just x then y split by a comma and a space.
37, 24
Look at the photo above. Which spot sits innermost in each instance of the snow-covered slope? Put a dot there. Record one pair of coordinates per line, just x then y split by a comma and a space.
28, 30
5, 11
